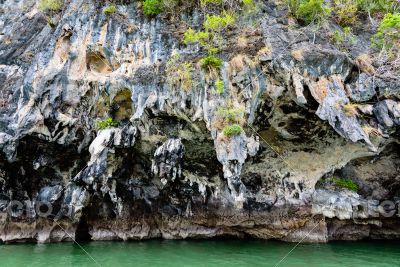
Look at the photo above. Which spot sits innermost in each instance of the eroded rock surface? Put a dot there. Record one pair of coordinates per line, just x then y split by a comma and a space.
166, 169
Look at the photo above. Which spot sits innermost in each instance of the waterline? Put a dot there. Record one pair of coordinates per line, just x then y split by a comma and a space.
218, 253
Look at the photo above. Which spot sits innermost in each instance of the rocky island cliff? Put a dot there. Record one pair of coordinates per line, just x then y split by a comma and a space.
167, 119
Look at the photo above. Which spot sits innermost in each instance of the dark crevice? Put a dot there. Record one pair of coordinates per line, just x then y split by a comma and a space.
83, 228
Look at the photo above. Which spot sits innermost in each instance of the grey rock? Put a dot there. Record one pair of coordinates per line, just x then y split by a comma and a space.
363, 89
167, 160
387, 113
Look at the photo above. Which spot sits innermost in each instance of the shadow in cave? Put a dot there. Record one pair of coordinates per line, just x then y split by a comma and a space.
83, 229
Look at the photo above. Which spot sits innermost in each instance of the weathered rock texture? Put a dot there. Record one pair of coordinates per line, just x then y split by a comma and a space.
167, 170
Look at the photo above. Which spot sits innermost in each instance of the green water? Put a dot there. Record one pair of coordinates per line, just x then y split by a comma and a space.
219, 253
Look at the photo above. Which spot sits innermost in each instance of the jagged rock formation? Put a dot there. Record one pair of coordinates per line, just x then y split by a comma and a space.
167, 170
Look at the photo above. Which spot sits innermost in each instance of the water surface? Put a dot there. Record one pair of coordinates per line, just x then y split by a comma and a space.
218, 253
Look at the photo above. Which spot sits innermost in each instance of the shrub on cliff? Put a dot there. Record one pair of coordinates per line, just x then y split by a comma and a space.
152, 7
111, 9
219, 86
218, 22
378, 6
211, 62
345, 183
212, 2
388, 34
231, 114
310, 11
107, 123
50, 5
346, 12
192, 36
179, 73
210, 38
232, 130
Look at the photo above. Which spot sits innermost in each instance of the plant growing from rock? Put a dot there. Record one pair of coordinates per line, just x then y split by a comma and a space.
216, 23
50, 22
371, 131
213, 25
345, 35
248, 2
351, 109
213, 2
230, 119
313, 11
211, 62
109, 10
179, 73
152, 7
345, 183
378, 6
210, 38
191, 36
293, 6
50, 5
309, 11
388, 33
219, 86
264, 52
365, 63
106, 123
346, 12
232, 130
231, 114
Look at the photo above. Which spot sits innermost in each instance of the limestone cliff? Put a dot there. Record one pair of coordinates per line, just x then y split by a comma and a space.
307, 110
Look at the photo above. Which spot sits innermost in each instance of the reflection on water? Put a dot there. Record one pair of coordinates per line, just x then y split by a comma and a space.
218, 253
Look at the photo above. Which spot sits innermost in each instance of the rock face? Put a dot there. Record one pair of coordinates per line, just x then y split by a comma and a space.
165, 168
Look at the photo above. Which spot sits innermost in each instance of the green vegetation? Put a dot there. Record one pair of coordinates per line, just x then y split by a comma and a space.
218, 22
210, 38
377, 6
50, 22
293, 6
388, 33
310, 11
346, 36
346, 12
340, 182
248, 2
191, 36
103, 124
179, 73
152, 7
231, 130
230, 115
212, 2
345, 183
219, 86
211, 62
50, 5
109, 10
229, 119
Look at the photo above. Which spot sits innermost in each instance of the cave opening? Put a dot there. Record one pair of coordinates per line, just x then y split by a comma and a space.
82, 232
122, 106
